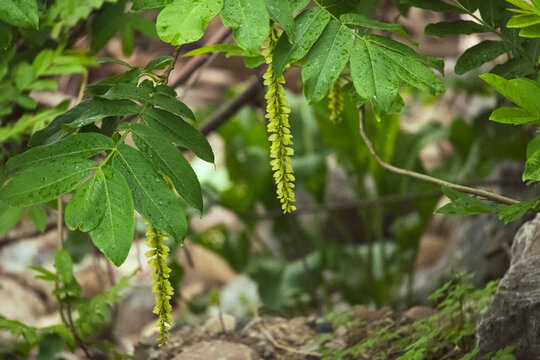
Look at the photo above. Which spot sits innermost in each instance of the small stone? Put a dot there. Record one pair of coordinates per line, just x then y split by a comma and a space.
217, 350
214, 325
417, 313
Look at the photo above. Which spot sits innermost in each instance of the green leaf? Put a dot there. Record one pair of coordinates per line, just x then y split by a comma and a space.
9, 217
458, 27
172, 105
152, 197
530, 32
516, 211
128, 40
532, 165
364, 21
463, 204
523, 20
81, 146
281, 11
326, 60
522, 92
63, 265
515, 116
435, 63
86, 208
125, 91
83, 114
298, 4
46, 182
38, 216
478, 55
471, 5
105, 24
149, 4
179, 132
493, 11
159, 64
21, 13
415, 73
249, 20
184, 21
434, 5
308, 26
169, 161
373, 76
228, 49
114, 234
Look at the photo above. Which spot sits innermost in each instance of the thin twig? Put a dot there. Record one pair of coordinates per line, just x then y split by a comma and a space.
164, 79
193, 64
226, 111
465, 189
60, 222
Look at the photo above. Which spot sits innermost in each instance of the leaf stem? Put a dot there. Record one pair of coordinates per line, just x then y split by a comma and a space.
465, 189
167, 72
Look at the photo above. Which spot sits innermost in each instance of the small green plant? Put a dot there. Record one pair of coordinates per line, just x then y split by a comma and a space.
449, 334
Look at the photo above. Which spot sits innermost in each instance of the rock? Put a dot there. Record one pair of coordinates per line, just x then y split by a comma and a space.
240, 297
218, 324
417, 313
217, 350
19, 302
512, 318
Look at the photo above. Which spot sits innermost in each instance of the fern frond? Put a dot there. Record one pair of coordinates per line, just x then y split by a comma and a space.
161, 285
277, 113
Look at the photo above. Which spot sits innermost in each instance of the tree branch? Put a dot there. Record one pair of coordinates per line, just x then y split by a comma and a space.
465, 189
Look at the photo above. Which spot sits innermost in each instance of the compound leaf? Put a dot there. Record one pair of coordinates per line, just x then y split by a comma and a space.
170, 162
86, 208
179, 132
152, 198
45, 182
114, 234
326, 60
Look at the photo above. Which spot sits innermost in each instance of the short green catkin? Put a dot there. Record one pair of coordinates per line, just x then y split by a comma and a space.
277, 112
161, 285
335, 101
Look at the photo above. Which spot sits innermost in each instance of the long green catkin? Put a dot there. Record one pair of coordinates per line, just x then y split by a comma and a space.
161, 285
277, 113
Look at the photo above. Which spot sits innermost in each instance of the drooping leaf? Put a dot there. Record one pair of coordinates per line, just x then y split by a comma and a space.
179, 132
364, 21
47, 182
415, 73
532, 165
106, 23
21, 13
434, 5
471, 5
516, 211
170, 162
373, 75
281, 12
436, 63
463, 204
114, 234
81, 146
149, 4
492, 11
9, 217
38, 216
184, 21
86, 208
308, 26
83, 114
326, 60
515, 116
123, 91
64, 265
173, 105
151, 196
522, 92
479, 54
458, 27
249, 20
159, 64
128, 40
